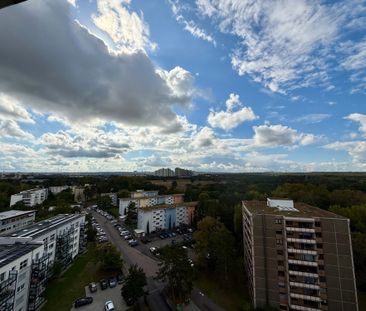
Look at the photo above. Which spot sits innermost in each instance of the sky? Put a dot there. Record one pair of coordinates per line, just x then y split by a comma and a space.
208, 85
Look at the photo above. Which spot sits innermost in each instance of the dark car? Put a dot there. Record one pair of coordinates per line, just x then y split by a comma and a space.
133, 243
145, 240
83, 301
103, 284
112, 282
120, 278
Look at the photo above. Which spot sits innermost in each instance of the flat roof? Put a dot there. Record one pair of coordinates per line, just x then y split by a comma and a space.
11, 252
44, 226
156, 196
161, 206
14, 213
303, 210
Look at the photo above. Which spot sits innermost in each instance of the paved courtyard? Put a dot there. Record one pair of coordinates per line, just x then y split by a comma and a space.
101, 296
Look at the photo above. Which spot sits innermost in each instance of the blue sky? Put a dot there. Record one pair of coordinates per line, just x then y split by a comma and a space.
210, 85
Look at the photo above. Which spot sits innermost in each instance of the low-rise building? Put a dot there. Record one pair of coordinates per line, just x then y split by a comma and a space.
13, 220
298, 257
30, 197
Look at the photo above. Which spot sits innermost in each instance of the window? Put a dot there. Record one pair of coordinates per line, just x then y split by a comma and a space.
281, 273
317, 224
321, 267
322, 279
318, 234
278, 221
2, 276
279, 232
23, 264
21, 287
319, 245
280, 252
280, 262
279, 242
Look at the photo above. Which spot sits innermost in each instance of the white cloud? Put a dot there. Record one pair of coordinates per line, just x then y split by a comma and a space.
189, 25
204, 138
313, 118
128, 30
281, 44
230, 119
10, 108
280, 135
356, 149
11, 129
360, 118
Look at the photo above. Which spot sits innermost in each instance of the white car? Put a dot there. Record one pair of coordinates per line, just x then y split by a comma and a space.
109, 306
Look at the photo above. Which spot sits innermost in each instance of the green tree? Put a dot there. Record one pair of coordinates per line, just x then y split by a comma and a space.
131, 213
176, 271
109, 257
104, 202
133, 286
214, 244
124, 193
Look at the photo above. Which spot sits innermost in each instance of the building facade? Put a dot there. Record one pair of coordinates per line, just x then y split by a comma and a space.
298, 257
27, 256
16, 258
14, 220
30, 197
58, 189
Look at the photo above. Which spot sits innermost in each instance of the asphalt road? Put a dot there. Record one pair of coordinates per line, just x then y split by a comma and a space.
130, 255
147, 262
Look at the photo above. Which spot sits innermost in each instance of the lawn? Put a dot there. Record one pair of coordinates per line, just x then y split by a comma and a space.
232, 295
114, 211
62, 291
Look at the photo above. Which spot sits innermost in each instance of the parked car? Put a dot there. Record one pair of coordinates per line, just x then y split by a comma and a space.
128, 237
93, 287
145, 240
83, 301
125, 232
103, 284
133, 243
120, 278
109, 306
112, 282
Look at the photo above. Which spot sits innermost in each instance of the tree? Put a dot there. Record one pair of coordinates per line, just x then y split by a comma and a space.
133, 286
214, 245
131, 213
104, 202
109, 257
124, 193
176, 271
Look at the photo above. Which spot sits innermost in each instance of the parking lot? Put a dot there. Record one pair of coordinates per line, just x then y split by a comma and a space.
101, 296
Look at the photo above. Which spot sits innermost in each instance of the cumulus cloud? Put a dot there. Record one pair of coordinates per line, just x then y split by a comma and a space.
76, 76
204, 138
280, 135
127, 29
360, 118
230, 119
11, 129
10, 108
356, 149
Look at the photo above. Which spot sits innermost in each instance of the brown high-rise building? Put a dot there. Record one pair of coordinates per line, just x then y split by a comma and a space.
298, 257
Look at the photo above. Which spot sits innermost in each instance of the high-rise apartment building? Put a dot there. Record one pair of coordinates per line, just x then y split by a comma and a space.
298, 257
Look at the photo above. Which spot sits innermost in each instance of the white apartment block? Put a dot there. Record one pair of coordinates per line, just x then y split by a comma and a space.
143, 198
58, 189
16, 261
13, 220
27, 255
30, 197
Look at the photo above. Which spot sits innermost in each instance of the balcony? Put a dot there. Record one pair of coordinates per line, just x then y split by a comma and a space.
303, 241
298, 229
301, 251
303, 262
303, 308
305, 297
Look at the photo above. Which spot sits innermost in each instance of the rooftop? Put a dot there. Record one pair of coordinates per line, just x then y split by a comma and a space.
155, 196
45, 226
11, 252
161, 206
14, 213
300, 210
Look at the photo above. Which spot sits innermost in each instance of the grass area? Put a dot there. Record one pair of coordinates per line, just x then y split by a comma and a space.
62, 291
231, 295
